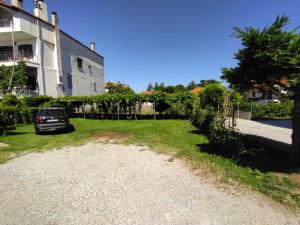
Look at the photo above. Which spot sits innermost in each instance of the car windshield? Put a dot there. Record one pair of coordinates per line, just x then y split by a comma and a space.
52, 112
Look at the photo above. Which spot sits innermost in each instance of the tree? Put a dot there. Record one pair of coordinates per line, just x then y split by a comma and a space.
19, 77
119, 88
192, 85
150, 87
213, 96
268, 56
159, 87
203, 83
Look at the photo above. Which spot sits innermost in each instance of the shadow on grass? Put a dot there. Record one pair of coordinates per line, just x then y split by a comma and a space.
254, 155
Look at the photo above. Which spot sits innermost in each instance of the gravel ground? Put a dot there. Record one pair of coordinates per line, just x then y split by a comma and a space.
283, 135
113, 184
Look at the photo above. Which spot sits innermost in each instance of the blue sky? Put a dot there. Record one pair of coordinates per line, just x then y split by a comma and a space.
170, 41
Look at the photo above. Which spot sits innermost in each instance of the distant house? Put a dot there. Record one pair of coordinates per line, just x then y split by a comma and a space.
57, 64
197, 90
264, 94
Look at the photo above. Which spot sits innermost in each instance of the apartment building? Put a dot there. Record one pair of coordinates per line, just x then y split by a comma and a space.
57, 64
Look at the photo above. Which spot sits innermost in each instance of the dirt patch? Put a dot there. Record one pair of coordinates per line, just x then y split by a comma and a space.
2, 145
116, 136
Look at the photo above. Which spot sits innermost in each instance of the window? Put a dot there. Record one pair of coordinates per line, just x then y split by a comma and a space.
80, 63
26, 50
91, 69
95, 87
70, 81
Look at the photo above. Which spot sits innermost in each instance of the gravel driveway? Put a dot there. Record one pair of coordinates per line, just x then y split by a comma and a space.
268, 131
113, 184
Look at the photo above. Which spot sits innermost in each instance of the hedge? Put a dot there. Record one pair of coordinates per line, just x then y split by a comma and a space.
269, 111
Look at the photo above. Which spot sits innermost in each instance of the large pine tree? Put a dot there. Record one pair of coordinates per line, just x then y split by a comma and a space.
268, 56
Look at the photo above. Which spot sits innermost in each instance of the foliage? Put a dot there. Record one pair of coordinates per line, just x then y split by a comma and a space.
201, 118
19, 77
149, 87
222, 137
179, 88
9, 100
35, 101
269, 111
119, 88
267, 56
213, 96
236, 98
192, 85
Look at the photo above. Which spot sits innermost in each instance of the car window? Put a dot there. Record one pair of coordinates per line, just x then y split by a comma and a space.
52, 112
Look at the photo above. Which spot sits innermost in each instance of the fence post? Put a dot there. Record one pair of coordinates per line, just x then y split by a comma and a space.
154, 107
83, 109
118, 110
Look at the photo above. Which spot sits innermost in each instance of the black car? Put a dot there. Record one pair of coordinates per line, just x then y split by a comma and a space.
51, 119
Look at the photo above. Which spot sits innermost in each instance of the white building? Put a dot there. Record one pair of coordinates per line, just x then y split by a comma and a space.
57, 64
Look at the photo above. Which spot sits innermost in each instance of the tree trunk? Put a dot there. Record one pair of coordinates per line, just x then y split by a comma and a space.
295, 154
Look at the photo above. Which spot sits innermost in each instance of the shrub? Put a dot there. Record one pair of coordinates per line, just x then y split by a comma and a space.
269, 111
9, 100
224, 137
213, 96
36, 101
201, 118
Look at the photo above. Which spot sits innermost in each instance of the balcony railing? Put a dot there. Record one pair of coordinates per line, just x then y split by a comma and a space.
20, 55
5, 22
21, 92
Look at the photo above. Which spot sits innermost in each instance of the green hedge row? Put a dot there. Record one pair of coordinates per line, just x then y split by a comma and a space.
269, 111
12, 115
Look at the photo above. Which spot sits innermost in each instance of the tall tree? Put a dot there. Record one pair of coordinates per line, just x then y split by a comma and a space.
203, 83
192, 85
268, 56
150, 87
19, 76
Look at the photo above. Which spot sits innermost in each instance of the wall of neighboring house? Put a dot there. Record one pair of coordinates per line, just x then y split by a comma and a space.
88, 80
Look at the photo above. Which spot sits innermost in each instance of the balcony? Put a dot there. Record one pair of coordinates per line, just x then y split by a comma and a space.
5, 22
21, 92
20, 55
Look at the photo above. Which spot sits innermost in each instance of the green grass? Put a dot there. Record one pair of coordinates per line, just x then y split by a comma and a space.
174, 137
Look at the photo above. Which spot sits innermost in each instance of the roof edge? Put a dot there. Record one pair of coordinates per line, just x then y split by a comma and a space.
29, 14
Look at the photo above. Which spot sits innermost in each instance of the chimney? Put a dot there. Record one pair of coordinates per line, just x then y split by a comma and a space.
17, 3
41, 10
54, 19
93, 46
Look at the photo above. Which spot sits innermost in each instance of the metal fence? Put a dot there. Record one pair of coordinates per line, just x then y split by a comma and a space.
20, 55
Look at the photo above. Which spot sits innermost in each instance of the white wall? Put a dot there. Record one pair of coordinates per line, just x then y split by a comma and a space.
86, 81
30, 30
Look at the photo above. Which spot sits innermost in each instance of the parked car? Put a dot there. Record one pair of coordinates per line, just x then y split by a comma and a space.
268, 101
51, 119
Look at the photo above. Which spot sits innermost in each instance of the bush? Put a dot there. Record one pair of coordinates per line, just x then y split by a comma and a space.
213, 96
201, 118
269, 111
224, 137
9, 100
36, 101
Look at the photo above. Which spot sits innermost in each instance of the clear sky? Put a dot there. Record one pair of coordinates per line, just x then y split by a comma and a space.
170, 41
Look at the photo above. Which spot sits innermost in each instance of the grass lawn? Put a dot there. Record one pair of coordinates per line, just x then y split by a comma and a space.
175, 137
